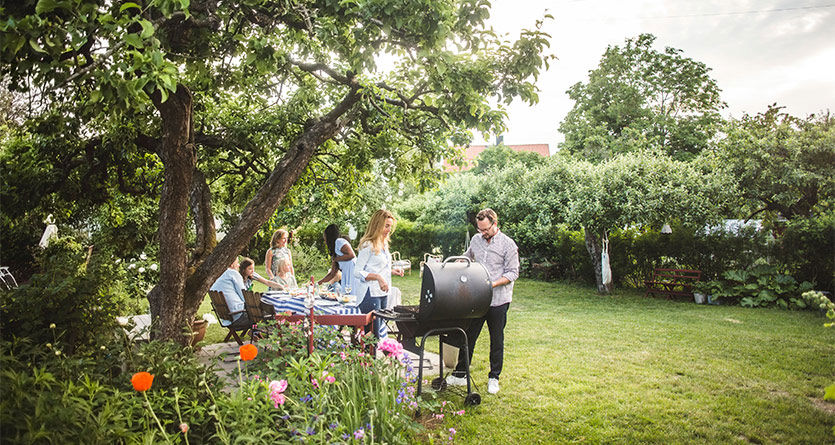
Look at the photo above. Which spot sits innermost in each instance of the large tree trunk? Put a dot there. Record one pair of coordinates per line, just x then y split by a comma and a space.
205, 233
178, 295
594, 245
177, 153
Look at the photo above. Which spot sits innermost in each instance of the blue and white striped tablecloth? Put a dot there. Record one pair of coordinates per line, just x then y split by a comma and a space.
282, 303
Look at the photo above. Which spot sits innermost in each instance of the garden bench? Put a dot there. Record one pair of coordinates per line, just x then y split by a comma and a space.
672, 282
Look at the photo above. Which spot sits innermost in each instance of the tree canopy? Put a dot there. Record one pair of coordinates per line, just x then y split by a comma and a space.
780, 164
639, 98
241, 102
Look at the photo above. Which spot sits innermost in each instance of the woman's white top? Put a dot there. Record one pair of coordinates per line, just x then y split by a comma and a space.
370, 262
347, 267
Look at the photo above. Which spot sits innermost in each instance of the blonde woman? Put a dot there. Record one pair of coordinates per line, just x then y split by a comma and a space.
278, 249
372, 273
285, 279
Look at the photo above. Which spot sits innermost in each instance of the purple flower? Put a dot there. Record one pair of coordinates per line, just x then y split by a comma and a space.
359, 434
311, 431
306, 398
333, 425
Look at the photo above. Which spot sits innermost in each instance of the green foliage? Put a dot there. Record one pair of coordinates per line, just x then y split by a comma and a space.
805, 245
759, 285
338, 391
639, 98
88, 398
413, 240
497, 157
79, 295
780, 163
817, 299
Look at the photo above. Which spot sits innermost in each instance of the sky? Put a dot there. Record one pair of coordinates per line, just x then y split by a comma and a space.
760, 52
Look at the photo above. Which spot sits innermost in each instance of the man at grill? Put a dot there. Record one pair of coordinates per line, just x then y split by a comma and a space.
500, 256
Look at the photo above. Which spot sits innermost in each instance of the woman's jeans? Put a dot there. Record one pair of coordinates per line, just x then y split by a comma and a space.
369, 304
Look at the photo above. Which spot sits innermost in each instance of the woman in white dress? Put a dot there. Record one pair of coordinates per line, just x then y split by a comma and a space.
372, 273
342, 258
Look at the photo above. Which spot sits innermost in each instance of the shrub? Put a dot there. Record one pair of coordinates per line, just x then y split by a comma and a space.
413, 240
760, 285
77, 290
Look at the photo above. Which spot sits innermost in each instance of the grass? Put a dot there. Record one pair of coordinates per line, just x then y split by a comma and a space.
580, 367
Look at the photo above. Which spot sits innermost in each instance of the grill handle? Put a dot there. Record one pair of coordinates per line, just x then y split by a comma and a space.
459, 257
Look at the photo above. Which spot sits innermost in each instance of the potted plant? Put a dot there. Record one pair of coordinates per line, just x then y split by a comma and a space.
198, 331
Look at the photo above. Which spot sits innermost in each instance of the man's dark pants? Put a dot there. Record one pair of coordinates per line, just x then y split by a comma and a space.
496, 319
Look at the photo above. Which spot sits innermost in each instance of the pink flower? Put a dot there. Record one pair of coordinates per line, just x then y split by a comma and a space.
330, 379
184, 427
315, 383
277, 387
391, 346
359, 434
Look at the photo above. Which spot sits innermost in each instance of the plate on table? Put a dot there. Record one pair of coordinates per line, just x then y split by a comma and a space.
348, 300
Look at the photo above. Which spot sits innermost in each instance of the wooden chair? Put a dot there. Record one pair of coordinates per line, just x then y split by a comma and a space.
257, 311
225, 316
398, 263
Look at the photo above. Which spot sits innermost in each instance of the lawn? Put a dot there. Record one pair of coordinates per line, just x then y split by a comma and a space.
580, 367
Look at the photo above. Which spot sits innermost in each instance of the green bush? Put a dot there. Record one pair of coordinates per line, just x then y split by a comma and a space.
87, 397
79, 295
759, 285
413, 240
806, 248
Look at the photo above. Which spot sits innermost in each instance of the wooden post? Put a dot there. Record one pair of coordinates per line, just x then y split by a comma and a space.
310, 337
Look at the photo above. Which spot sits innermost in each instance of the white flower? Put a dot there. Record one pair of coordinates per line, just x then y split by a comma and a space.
141, 270
131, 266
118, 260
154, 266
133, 260
143, 257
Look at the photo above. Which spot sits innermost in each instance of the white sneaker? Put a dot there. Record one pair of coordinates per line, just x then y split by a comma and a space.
451, 380
493, 386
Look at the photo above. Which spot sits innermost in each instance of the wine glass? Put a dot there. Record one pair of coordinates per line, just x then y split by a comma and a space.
348, 289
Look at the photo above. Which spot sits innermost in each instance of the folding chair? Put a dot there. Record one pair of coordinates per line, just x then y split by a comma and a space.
7, 278
225, 316
257, 311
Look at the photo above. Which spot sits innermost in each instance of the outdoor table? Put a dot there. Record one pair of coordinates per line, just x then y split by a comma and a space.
325, 311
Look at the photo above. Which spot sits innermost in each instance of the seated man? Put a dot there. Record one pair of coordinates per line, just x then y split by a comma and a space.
231, 284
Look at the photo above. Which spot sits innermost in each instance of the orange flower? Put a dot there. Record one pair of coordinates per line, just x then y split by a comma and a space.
142, 381
248, 352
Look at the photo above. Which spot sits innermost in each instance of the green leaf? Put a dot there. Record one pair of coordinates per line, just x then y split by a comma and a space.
829, 392
133, 40
36, 46
147, 29
129, 5
45, 6
95, 96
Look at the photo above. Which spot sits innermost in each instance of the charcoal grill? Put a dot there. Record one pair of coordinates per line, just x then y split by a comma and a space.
452, 293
